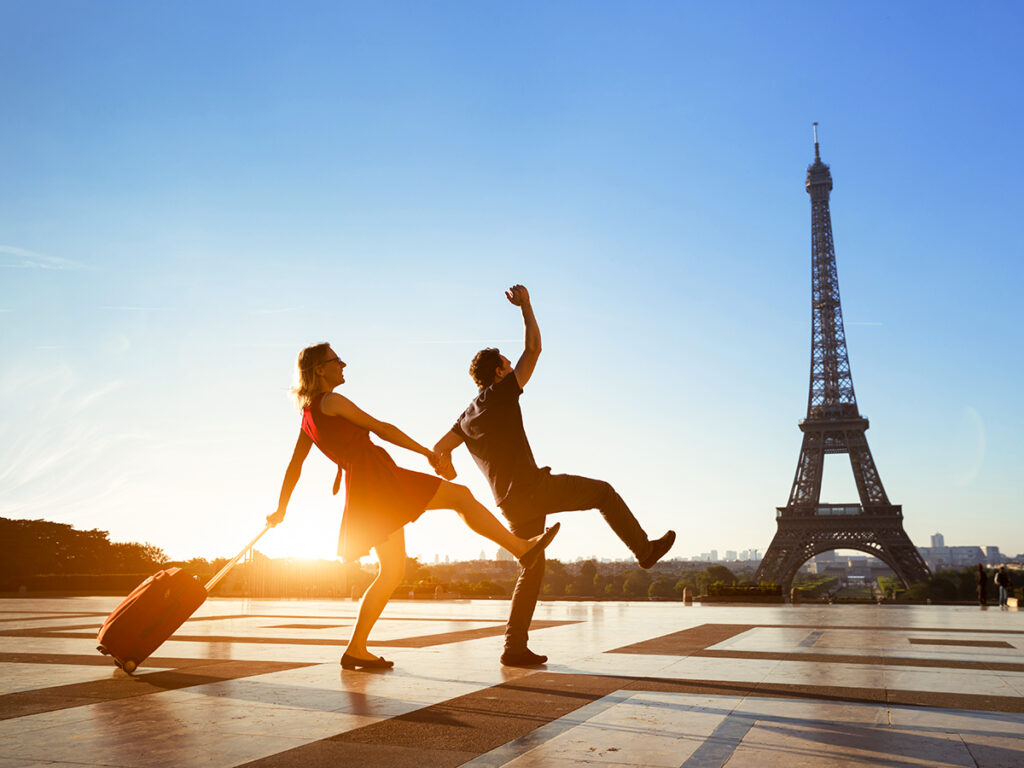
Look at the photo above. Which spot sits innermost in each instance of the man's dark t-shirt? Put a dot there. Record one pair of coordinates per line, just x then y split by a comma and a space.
492, 428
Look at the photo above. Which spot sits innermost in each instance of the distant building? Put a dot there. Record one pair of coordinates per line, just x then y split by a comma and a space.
714, 556
938, 540
503, 555
955, 558
730, 555
993, 556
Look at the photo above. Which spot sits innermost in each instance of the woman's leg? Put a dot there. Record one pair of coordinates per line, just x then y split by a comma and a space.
477, 517
391, 554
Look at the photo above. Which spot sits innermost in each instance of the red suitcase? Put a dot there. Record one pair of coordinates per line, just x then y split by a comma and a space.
154, 610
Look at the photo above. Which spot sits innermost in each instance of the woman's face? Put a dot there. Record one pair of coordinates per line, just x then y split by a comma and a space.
332, 369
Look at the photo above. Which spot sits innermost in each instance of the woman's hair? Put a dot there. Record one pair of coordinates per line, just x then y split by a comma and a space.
305, 376
484, 366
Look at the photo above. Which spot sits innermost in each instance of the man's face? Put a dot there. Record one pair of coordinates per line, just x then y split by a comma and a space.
503, 370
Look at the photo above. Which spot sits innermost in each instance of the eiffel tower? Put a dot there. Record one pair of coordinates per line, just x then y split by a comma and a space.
806, 527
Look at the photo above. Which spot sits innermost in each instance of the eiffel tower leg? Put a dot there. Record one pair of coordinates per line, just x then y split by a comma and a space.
865, 474
807, 482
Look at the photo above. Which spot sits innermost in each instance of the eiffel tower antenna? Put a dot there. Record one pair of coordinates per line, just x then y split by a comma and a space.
807, 527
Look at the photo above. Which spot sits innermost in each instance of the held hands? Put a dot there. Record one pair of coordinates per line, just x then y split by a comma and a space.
442, 465
518, 295
276, 518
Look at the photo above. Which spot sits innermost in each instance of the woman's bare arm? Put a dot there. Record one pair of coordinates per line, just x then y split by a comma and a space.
291, 477
338, 405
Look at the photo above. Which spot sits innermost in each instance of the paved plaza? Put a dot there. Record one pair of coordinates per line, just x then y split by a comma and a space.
257, 683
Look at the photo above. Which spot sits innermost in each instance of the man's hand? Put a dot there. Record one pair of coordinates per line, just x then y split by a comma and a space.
442, 465
276, 518
445, 467
518, 295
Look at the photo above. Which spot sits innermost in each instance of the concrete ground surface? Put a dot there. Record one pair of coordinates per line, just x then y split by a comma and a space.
257, 683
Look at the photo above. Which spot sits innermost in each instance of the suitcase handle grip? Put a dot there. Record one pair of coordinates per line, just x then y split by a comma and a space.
233, 561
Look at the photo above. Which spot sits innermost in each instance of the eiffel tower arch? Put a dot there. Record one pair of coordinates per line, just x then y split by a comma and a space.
807, 527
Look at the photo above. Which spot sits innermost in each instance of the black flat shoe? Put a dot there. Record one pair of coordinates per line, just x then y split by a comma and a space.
351, 662
533, 554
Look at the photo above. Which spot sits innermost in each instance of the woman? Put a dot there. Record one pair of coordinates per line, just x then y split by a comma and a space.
380, 496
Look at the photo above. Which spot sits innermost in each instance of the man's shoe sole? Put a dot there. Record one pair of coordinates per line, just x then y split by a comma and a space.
659, 548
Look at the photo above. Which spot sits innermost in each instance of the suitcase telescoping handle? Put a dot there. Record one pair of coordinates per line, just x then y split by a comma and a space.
231, 563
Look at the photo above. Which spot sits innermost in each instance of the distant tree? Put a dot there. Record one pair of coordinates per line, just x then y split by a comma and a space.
129, 557
585, 580
637, 583
688, 579
29, 547
556, 577
661, 588
940, 588
713, 574
917, 591
613, 584
413, 570
721, 573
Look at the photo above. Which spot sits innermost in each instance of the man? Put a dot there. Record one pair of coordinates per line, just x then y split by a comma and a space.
1003, 582
492, 429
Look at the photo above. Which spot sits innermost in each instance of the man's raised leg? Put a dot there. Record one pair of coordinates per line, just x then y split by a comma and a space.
564, 493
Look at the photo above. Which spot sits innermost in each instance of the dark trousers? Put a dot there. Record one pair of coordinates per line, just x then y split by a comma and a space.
527, 517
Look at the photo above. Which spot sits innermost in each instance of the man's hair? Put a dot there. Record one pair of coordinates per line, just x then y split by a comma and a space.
485, 364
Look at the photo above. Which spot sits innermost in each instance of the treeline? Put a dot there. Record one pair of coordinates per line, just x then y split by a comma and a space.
953, 586
586, 579
43, 556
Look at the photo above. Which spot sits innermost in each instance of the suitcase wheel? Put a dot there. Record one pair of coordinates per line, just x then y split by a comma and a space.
129, 666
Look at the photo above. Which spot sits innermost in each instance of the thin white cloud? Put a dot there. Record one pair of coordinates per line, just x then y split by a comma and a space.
86, 399
471, 341
133, 309
261, 344
26, 259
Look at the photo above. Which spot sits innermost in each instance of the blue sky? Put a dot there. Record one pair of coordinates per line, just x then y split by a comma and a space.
195, 191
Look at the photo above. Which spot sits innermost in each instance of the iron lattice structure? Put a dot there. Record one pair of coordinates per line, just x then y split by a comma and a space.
806, 527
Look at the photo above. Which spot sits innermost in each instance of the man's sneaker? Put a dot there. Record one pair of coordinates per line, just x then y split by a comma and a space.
523, 658
657, 549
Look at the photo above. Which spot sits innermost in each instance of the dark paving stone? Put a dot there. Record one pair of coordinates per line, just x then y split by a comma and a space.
1008, 704
459, 729
335, 754
123, 686
687, 641
967, 643
890, 661
95, 660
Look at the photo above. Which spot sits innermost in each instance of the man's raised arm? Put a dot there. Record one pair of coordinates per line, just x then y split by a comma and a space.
520, 297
